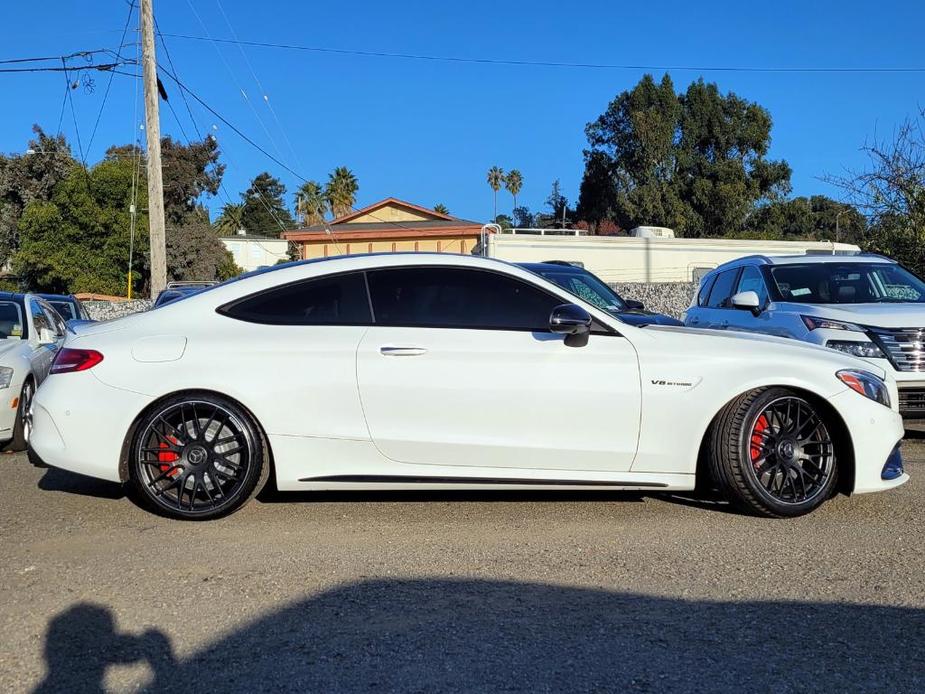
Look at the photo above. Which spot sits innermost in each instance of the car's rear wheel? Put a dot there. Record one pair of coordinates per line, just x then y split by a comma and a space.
773, 454
197, 457
22, 428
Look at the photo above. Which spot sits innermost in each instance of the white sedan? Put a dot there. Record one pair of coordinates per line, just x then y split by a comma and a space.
30, 333
435, 371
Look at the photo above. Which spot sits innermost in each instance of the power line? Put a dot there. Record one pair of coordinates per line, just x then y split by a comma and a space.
103, 67
55, 58
99, 115
549, 63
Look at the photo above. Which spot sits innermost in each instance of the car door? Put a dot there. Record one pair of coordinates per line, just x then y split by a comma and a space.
751, 280
718, 309
460, 369
44, 338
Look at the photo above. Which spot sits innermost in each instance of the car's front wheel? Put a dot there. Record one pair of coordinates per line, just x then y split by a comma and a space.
772, 453
22, 428
197, 457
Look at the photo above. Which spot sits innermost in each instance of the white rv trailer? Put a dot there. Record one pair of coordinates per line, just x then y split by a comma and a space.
643, 258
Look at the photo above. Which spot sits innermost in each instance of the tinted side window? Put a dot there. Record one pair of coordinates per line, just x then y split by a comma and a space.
338, 300
722, 288
752, 281
458, 298
39, 319
704, 292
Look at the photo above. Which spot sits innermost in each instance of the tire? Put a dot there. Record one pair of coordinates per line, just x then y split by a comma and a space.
22, 429
772, 454
197, 456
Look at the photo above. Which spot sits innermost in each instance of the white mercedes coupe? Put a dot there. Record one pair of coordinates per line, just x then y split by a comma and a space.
435, 371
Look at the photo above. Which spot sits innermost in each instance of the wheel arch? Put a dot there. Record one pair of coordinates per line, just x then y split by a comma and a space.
133, 427
842, 437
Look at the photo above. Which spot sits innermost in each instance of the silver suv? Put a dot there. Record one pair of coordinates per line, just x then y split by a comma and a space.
862, 304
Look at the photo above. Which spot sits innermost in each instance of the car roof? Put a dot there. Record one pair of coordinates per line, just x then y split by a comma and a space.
58, 297
552, 267
808, 259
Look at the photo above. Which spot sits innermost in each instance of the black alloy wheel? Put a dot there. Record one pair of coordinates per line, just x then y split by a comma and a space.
772, 453
198, 458
791, 452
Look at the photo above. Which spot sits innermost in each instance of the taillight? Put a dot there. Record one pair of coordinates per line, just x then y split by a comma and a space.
68, 360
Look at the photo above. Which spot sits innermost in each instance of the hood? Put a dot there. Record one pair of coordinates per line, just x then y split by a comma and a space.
759, 347
880, 315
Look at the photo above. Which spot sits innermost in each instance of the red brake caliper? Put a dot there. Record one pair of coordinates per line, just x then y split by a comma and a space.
757, 438
167, 458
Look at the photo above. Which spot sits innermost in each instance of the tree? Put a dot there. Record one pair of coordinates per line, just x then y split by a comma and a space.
693, 161
194, 253
495, 179
558, 203
341, 191
190, 171
890, 192
523, 218
816, 218
27, 178
78, 240
264, 211
311, 202
503, 221
441, 208
514, 181
229, 221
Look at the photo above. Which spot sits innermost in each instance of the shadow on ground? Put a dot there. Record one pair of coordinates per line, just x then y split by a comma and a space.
55, 480
446, 635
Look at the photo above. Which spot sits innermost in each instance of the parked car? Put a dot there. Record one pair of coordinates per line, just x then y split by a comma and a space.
68, 306
179, 290
432, 371
862, 304
31, 332
592, 289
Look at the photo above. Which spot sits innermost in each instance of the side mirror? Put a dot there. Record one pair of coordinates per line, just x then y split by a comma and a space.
747, 301
573, 322
633, 304
46, 336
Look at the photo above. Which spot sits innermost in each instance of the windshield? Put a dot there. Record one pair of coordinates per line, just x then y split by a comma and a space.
65, 309
588, 287
10, 320
847, 283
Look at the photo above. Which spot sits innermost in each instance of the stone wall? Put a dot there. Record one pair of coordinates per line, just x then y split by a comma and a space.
105, 310
669, 298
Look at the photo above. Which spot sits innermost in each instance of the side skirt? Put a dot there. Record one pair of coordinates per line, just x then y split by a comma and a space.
473, 481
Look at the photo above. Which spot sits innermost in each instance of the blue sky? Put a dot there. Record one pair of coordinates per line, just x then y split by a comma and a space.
427, 131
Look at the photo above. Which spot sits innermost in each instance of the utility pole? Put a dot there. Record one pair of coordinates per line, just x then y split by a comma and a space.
158, 238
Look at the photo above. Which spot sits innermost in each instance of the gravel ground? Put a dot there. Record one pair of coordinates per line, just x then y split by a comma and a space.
458, 592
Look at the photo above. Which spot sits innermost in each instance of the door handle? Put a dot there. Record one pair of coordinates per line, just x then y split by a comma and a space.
402, 351
725, 323
695, 320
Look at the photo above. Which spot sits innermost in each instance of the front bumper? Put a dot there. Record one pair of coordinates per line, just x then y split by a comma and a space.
875, 433
79, 424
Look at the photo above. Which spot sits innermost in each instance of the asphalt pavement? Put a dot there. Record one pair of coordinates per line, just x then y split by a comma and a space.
469, 592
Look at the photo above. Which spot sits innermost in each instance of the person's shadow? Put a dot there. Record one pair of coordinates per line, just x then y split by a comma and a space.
86, 634
439, 635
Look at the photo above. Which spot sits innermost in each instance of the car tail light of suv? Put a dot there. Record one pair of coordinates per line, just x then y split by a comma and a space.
68, 360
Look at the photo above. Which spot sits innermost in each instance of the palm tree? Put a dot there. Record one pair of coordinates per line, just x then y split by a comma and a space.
341, 191
514, 182
495, 179
441, 208
229, 221
311, 202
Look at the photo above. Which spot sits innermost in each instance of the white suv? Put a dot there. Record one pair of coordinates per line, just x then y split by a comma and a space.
862, 304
